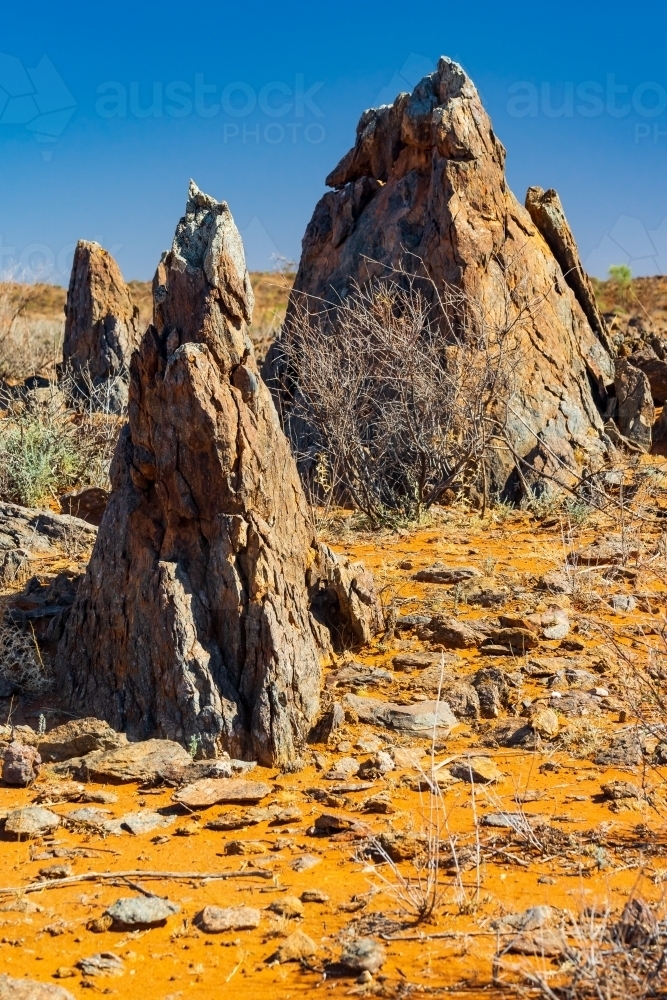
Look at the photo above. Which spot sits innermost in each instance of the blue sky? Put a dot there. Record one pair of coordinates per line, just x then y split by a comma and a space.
106, 111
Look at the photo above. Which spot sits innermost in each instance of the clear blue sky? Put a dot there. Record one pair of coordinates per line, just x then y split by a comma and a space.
106, 111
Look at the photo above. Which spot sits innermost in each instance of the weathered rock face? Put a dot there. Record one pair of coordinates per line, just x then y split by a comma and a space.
547, 213
101, 324
425, 182
195, 619
635, 411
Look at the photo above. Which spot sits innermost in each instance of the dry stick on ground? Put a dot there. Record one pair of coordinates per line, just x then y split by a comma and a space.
59, 883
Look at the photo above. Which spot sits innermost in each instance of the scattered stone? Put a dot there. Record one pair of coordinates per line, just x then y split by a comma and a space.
304, 863
295, 948
144, 821
342, 770
314, 896
604, 551
452, 633
212, 791
422, 717
623, 602
56, 871
20, 906
405, 757
287, 906
88, 816
368, 744
575, 704
624, 750
60, 791
241, 848
30, 822
144, 762
557, 631
556, 583
28, 989
415, 661
380, 803
142, 911
546, 942
518, 822
519, 640
363, 955
476, 769
20, 765
544, 722
78, 738
282, 817
379, 764
216, 919
438, 573
412, 621
528, 920
617, 790
106, 963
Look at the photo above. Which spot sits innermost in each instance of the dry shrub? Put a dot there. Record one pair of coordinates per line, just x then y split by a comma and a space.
399, 394
21, 662
606, 958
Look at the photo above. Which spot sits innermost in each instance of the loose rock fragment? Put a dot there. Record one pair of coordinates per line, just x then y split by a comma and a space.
438, 573
28, 989
212, 791
295, 948
287, 906
33, 821
363, 955
106, 963
216, 919
476, 769
20, 765
78, 738
142, 911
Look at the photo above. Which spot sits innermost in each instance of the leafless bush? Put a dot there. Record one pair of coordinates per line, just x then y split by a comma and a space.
20, 660
401, 392
606, 958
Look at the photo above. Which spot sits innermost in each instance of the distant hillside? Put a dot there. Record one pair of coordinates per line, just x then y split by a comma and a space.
47, 302
641, 304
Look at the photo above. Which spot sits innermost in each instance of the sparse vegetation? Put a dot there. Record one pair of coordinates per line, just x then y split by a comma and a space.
52, 440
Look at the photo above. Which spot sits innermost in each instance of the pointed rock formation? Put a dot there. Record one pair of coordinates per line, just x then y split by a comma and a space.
197, 619
425, 183
101, 323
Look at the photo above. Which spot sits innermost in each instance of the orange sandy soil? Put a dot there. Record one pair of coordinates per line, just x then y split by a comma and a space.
610, 854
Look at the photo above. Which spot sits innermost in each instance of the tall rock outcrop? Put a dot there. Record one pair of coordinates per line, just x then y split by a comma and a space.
101, 324
424, 186
208, 605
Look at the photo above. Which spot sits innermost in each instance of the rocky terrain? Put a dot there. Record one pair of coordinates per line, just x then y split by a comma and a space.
537, 705
246, 740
